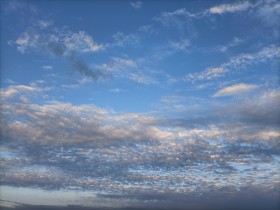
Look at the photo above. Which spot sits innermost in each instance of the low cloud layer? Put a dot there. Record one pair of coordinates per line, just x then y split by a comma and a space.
127, 155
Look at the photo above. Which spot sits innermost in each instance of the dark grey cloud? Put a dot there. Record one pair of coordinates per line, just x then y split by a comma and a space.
84, 68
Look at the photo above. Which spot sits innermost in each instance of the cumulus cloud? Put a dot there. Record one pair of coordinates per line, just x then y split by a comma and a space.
234, 89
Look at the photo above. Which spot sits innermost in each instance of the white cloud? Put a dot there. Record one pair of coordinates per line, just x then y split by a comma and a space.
136, 4
118, 67
60, 43
239, 61
81, 42
14, 90
44, 23
121, 39
124, 62
116, 90
180, 45
233, 43
87, 123
167, 18
26, 41
269, 13
234, 89
140, 78
230, 8
209, 73
47, 67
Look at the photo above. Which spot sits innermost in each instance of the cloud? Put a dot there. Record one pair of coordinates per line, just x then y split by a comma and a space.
47, 67
234, 89
116, 90
59, 43
19, 7
172, 17
44, 23
136, 4
121, 40
209, 73
141, 78
81, 42
230, 8
247, 118
21, 90
62, 44
117, 67
181, 45
237, 62
84, 68
235, 42
51, 122
124, 62
269, 13
180, 19
228, 149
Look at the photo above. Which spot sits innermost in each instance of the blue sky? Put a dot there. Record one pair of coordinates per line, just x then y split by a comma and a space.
149, 104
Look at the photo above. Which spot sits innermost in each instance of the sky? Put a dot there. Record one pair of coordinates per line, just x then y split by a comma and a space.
140, 104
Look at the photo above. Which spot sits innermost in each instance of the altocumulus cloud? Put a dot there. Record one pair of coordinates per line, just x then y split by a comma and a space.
139, 153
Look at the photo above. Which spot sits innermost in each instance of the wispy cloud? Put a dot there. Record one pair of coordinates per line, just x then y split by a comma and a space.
63, 44
238, 62
22, 90
81, 42
116, 90
230, 8
44, 23
60, 43
47, 67
234, 89
169, 17
120, 39
235, 42
180, 45
136, 4
269, 13
141, 78
209, 73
